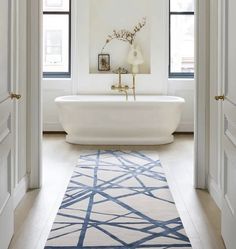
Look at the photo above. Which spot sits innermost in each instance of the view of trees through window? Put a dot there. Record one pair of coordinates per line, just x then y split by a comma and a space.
56, 38
181, 61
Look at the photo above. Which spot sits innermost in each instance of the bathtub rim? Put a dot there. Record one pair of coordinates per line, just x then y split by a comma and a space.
119, 99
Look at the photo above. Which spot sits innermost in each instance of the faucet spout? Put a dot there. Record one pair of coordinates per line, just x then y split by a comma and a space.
121, 88
125, 92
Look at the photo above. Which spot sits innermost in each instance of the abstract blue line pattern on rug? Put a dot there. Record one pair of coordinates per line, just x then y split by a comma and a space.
118, 200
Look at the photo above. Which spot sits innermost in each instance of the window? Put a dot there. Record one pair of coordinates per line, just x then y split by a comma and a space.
181, 35
56, 38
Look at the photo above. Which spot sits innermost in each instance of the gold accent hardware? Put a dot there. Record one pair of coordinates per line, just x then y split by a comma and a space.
121, 70
134, 87
15, 96
222, 97
122, 88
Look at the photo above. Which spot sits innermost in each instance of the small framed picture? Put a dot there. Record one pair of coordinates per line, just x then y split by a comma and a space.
104, 62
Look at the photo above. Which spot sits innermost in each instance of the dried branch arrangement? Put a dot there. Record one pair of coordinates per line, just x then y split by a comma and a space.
125, 35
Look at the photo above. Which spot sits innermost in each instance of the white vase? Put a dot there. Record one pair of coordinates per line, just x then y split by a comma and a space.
135, 58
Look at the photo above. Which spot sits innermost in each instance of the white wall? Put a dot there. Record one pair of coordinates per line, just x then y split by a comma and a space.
83, 82
184, 88
104, 19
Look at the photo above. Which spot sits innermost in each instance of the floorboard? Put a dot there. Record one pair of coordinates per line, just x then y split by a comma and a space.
35, 214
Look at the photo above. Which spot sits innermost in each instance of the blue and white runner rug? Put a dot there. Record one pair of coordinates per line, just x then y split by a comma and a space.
118, 200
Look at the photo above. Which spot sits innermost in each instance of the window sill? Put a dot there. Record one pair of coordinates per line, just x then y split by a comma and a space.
181, 79
56, 79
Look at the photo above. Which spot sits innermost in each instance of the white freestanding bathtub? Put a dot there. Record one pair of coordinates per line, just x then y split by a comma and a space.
110, 120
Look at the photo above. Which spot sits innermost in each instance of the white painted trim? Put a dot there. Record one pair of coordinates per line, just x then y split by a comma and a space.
202, 94
34, 120
52, 127
15, 81
20, 190
19, 81
74, 46
186, 127
216, 122
221, 82
215, 191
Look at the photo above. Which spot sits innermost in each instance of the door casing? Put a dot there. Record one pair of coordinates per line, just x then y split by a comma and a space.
202, 92
34, 110
34, 122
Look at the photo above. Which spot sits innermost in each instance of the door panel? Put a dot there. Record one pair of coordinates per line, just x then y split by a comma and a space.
6, 154
229, 131
5, 147
230, 51
229, 174
4, 41
6, 203
229, 200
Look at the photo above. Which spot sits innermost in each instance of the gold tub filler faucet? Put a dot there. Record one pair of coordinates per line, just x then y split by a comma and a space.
121, 87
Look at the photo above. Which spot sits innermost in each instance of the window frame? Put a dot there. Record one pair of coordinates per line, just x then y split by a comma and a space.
171, 74
61, 74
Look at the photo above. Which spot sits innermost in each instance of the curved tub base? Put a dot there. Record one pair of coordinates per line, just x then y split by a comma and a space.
119, 141
110, 120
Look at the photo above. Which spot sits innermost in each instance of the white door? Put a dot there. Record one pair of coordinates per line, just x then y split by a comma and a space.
6, 154
229, 130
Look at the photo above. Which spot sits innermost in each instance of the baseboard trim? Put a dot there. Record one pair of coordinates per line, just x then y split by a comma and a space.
186, 127
54, 132
52, 127
184, 133
215, 191
56, 127
20, 190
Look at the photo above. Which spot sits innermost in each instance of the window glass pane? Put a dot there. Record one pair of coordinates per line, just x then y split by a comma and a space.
56, 43
182, 44
181, 5
56, 5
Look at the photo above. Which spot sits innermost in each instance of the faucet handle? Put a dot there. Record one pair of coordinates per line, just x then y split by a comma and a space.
121, 70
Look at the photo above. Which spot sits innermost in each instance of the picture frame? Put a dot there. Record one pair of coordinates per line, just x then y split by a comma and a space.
104, 62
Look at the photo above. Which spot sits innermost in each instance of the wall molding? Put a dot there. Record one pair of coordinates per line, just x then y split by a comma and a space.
215, 191
216, 120
34, 114
47, 126
202, 94
19, 85
20, 190
185, 127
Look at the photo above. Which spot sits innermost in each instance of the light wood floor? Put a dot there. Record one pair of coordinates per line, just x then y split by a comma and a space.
36, 213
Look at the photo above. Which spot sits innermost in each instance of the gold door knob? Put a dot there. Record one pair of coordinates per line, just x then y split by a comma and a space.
15, 96
222, 97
